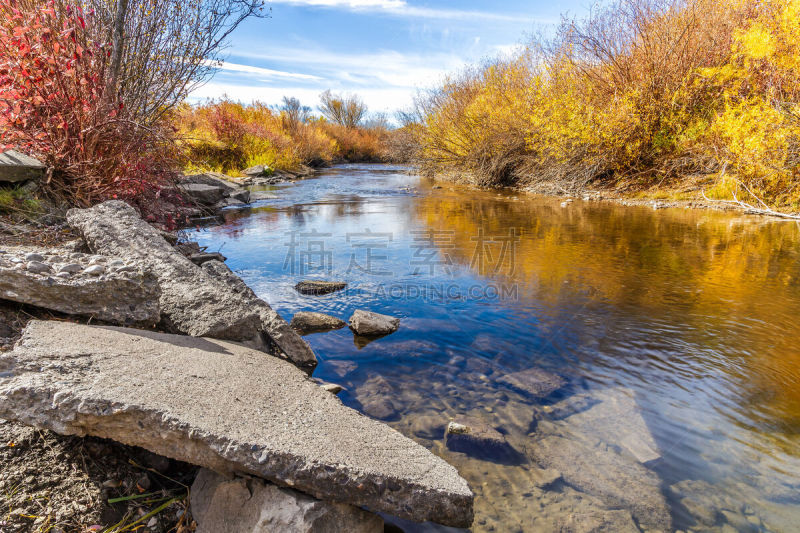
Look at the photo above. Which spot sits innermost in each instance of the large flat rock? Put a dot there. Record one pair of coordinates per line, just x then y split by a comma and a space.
203, 194
79, 284
226, 407
195, 301
617, 419
617, 480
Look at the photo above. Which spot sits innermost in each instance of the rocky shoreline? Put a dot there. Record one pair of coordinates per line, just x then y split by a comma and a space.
139, 340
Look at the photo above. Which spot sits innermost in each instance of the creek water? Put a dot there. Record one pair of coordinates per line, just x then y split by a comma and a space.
678, 327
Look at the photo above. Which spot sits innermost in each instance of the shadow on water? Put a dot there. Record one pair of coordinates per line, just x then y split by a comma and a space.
675, 332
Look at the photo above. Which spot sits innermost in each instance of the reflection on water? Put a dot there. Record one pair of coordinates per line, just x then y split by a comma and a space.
675, 330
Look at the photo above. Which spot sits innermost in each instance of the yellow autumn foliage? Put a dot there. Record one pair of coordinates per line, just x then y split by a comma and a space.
641, 94
227, 136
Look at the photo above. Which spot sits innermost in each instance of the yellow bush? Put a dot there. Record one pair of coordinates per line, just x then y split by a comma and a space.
638, 93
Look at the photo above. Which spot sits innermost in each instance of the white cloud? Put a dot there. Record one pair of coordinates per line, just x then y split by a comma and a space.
353, 4
266, 72
386, 80
384, 67
401, 8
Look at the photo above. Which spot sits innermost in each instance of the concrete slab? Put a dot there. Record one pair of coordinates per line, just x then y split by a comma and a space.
226, 407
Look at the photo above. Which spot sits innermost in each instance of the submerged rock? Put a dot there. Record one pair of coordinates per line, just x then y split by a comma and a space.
475, 437
262, 195
534, 381
250, 505
121, 296
369, 324
543, 478
615, 418
375, 397
570, 406
203, 302
226, 407
615, 479
305, 322
610, 521
428, 426
318, 288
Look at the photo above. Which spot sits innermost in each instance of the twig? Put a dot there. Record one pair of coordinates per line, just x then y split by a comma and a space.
752, 209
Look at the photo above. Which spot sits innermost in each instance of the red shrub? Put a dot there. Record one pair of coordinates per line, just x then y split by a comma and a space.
55, 104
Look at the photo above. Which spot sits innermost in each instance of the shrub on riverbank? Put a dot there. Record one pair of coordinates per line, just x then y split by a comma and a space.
89, 90
642, 93
226, 136
55, 103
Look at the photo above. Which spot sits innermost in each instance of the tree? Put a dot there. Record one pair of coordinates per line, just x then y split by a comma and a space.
163, 49
345, 110
295, 112
378, 121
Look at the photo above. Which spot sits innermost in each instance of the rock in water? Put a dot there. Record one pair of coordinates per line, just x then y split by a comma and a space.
570, 406
609, 521
534, 381
319, 287
308, 322
371, 324
475, 437
617, 420
202, 302
199, 259
122, 296
226, 407
375, 397
617, 480
252, 506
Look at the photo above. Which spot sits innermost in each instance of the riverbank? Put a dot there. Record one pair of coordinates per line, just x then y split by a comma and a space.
654, 103
690, 194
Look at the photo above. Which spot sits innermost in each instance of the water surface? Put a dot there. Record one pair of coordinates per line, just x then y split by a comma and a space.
693, 315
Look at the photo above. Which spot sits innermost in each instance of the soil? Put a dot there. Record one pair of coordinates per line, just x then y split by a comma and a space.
15, 233
54, 483
61, 484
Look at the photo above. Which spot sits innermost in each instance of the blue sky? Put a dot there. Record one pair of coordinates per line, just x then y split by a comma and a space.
383, 50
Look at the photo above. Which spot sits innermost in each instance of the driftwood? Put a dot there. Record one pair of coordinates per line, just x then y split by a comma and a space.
751, 209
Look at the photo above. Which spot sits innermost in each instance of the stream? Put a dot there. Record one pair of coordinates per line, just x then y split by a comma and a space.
675, 332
